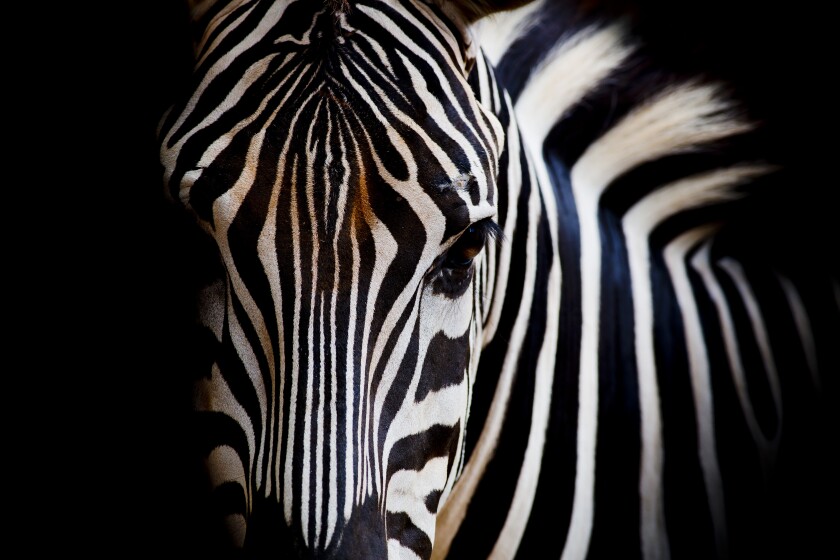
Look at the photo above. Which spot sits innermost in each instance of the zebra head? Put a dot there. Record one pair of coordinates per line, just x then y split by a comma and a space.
341, 161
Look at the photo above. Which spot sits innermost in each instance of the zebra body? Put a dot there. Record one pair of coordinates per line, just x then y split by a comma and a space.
478, 291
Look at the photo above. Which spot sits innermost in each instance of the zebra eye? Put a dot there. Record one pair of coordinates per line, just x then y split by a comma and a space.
453, 271
470, 244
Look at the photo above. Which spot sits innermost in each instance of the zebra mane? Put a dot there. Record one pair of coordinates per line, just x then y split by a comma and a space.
471, 9
337, 6
477, 9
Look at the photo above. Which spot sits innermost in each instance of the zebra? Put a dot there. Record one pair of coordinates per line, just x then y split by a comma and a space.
482, 283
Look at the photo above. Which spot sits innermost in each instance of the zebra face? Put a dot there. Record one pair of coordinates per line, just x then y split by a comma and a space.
347, 174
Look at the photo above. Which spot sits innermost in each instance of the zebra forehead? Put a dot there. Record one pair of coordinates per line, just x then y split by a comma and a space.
355, 108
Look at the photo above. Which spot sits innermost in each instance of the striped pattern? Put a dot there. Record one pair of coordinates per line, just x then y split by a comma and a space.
668, 406
384, 378
335, 159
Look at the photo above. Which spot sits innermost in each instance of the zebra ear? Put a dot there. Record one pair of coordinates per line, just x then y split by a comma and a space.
202, 13
466, 12
198, 8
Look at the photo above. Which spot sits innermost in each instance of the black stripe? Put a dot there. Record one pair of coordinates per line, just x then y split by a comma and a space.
686, 506
488, 509
552, 508
552, 22
398, 391
618, 449
444, 365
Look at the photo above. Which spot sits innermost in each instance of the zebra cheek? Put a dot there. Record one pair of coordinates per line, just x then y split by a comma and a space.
452, 317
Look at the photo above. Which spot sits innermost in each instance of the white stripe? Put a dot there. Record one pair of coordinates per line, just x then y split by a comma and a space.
407, 492
251, 75
354, 476
389, 374
566, 74
675, 121
803, 328
638, 223
267, 251
314, 419
295, 374
225, 208
436, 109
451, 516
267, 21
214, 395
333, 506
397, 551
495, 33
444, 406
434, 221
500, 272
678, 120
767, 446
701, 385
526, 486
320, 428
224, 464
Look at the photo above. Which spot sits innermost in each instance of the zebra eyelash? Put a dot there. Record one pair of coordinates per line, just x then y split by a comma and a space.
452, 271
490, 229
470, 243
485, 229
